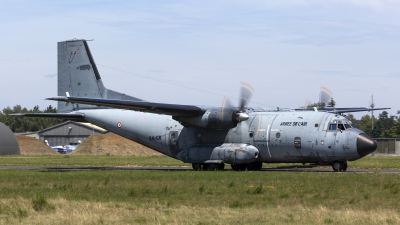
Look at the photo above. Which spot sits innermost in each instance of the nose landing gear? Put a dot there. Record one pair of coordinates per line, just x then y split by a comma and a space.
339, 166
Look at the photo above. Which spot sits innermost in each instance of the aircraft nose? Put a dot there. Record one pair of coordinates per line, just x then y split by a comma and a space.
365, 144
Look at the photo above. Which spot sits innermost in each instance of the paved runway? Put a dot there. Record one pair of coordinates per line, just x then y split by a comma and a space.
327, 169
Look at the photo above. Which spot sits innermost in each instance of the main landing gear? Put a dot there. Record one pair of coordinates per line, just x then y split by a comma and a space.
339, 166
255, 166
208, 166
220, 166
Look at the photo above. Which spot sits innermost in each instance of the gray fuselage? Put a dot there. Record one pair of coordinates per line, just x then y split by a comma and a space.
287, 136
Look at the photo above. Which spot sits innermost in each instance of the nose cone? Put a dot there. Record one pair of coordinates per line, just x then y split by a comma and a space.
365, 144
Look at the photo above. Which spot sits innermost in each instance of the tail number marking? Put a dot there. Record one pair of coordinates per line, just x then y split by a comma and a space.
155, 138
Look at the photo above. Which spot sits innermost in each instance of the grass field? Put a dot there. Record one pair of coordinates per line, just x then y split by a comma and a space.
191, 197
369, 162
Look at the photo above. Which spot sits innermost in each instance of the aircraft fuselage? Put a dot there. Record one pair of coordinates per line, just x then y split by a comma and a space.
276, 137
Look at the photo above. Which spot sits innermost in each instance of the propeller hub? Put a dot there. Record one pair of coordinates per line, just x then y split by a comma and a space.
241, 116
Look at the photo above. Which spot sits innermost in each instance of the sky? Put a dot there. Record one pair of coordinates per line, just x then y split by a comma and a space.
196, 52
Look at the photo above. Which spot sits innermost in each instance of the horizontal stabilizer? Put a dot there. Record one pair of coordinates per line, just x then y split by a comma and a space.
142, 106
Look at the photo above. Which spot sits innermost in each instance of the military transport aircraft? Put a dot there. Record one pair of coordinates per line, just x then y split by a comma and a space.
206, 137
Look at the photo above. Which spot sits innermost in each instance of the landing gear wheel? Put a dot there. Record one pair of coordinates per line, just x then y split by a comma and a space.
339, 166
221, 166
196, 166
239, 167
211, 166
234, 167
254, 166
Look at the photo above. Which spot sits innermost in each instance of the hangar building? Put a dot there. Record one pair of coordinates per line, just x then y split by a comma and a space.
8, 142
69, 133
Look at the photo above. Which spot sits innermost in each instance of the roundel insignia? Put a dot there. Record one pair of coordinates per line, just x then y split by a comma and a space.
119, 124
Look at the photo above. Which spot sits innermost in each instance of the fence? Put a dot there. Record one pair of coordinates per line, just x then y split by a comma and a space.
388, 145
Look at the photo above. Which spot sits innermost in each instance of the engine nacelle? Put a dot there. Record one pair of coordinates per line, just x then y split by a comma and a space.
216, 118
237, 153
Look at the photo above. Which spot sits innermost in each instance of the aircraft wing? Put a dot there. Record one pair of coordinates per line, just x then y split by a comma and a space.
66, 116
342, 110
347, 110
142, 106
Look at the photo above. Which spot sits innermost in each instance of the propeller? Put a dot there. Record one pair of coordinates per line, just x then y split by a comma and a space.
225, 104
246, 91
325, 96
305, 107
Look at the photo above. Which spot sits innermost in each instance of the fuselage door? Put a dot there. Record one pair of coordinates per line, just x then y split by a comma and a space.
260, 130
171, 138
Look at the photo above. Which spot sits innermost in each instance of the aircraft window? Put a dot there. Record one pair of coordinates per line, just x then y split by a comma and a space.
347, 126
332, 126
316, 125
173, 135
340, 126
297, 142
278, 135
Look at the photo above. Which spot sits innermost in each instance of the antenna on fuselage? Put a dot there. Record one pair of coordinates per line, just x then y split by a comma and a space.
371, 106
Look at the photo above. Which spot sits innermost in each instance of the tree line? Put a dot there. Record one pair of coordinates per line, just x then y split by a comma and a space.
385, 126
19, 124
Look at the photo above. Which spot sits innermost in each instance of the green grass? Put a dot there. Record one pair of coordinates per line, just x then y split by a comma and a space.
193, 197
377, 162
207, 189
369, 162
287, 195
72, 160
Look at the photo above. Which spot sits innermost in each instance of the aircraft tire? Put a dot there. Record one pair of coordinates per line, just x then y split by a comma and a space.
339, 166
242, 167
239, 167
221, 166
234, 167
212, 166
256, 166
196, 166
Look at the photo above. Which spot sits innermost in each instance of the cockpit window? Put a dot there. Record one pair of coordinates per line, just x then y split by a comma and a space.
352, 124
341, 125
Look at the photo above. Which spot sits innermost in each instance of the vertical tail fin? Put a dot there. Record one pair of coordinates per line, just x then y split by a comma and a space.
78, 75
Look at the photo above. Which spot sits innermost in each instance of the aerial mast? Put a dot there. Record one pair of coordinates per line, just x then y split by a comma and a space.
372, 111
